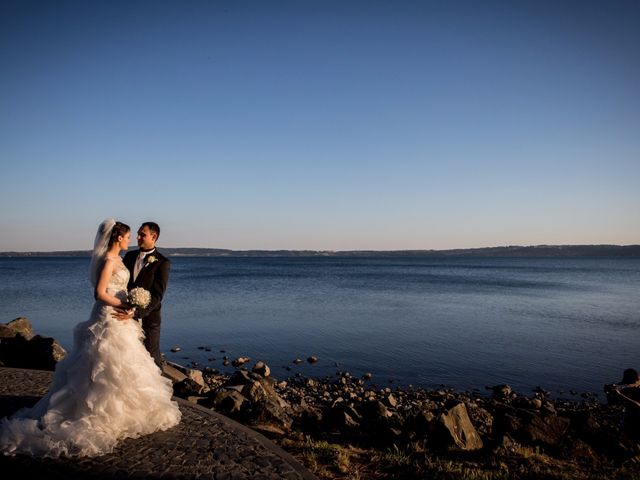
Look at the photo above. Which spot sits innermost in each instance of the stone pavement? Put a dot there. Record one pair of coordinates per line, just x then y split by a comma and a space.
205, 445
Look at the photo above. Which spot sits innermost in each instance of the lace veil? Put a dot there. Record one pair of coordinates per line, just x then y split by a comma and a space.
100, 246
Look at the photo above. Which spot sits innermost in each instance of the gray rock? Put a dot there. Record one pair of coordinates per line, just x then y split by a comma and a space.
37, 352
262, 390
6, 332
269, 416
309, 418
188, 387
195, 399
22, 326
228, 401
261, 368
170, 371
458, 430
240, 361
374, 412
545, 430
196, 376
421, 422
343, 418
502, 392
240, 378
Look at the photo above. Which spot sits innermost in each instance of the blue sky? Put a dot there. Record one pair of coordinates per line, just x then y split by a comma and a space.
321, 125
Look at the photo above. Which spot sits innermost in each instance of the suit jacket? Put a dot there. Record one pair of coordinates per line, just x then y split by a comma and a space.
153, 277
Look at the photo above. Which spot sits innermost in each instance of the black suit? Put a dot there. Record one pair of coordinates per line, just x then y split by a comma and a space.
153, 277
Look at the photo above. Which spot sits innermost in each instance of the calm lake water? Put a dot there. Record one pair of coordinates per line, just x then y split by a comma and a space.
465, 322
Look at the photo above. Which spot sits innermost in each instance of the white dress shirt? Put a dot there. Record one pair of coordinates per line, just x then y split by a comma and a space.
140, 263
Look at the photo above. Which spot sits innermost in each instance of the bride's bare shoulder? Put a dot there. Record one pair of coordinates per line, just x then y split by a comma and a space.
115, 262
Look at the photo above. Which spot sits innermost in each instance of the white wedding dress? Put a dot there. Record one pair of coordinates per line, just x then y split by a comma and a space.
106, 389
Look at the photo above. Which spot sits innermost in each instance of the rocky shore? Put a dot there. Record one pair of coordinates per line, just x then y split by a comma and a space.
348, 427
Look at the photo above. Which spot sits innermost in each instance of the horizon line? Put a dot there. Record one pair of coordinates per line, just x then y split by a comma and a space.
348, 250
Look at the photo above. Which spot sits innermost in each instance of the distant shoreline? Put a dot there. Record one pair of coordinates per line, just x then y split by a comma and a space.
547, 251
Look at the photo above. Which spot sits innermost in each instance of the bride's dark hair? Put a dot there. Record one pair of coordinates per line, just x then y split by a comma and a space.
119, 229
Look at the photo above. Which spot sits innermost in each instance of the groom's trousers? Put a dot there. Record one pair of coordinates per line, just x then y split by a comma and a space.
152, 339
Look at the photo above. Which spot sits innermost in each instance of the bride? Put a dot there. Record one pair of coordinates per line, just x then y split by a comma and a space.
108, 388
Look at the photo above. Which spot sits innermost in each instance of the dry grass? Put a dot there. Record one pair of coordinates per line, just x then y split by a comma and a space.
330, 461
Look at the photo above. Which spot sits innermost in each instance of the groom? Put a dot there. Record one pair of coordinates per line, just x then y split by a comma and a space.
149, 269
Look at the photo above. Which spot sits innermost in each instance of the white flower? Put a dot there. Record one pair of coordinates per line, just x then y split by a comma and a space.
139, 297
151, 259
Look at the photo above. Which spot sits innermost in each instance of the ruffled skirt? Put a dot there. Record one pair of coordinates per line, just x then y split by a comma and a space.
107, 389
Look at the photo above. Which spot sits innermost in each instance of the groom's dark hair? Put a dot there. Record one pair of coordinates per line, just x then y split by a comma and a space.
153, 226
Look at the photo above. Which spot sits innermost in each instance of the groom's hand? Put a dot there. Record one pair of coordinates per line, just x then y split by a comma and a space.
122, 314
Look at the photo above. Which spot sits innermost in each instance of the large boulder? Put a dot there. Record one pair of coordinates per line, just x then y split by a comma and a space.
270, 417
546, 430
343, 417
379, 424
20, 348
187, 388
261, 368
262, 407
22, 326
196, 376
420, 423
309, 419
456, 430
228, 402
531, 427
6, 332
174, 372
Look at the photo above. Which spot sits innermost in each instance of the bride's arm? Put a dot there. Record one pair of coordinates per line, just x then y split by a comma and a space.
100, 292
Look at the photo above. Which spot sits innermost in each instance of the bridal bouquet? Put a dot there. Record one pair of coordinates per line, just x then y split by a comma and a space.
139, 297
